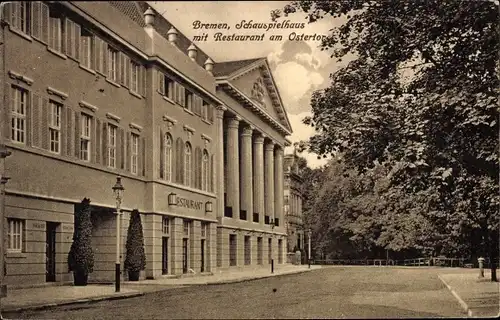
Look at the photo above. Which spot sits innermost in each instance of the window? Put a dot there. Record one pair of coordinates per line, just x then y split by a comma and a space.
85, 137
186, 226
21, 16
19, 105
187, 165
203, 229
55, 32
166, 225
15, 235
86, 48
188, 100
55, 127
134, 77
135, 153
204, 171
111, 146
168, 157
169, 88
204, 110
112, 63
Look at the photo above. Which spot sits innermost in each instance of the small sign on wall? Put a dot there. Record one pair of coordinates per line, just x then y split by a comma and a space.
35, 225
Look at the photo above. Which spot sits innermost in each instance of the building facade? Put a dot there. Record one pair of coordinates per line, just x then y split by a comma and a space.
293, 204
96, 90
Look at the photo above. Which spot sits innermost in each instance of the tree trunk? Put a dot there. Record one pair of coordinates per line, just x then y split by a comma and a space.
493, 254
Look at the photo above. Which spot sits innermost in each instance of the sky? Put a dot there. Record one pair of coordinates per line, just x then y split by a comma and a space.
299, 67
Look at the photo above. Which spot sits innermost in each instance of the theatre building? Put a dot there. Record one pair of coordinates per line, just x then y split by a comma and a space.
96, 90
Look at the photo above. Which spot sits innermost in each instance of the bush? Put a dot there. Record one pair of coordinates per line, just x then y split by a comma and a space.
135, 257
81, 256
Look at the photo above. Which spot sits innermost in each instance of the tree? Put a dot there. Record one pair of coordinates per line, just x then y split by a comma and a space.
420, 98
81, 255
135, 260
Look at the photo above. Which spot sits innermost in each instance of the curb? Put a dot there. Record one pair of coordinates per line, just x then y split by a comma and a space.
460, 300
71, 302
257, 278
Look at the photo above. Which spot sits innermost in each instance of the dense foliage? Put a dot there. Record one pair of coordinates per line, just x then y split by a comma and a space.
81, 256
136, 257
415, 117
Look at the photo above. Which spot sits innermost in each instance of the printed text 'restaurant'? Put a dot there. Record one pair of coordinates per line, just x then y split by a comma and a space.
238, 37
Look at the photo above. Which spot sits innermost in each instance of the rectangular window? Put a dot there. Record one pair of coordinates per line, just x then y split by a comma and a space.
204, 110
19, 106
15, 235
86, 48
203, 229
135, 153
55, 127
112, 63
55, 32
186, 227
111, 146
85, 137
20, 16
134, 77
188, 100
166, 225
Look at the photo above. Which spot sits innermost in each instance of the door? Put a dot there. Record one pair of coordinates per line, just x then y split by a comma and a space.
184, 255
164, 256
202, 255
50, 252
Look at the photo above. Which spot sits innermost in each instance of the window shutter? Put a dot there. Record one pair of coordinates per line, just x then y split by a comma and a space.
142, 155
120, 142
45, 123
35, 115
127, 153
178, 160
143, 80
162, 154
118, 67
210, 111
97, 54
161, 83
105, 143
212, 173
14, 14
183, 96
70, 124
69, 46
104, 57
9, 96
35, 19
197, 169
44, 22
96, 141
7, 13
126, 71
76, 40
77, 134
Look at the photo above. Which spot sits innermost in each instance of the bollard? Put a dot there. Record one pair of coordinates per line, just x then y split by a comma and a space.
481, 267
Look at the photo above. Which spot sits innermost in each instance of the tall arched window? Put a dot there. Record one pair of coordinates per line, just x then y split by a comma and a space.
168, 157
204, 172
188, 170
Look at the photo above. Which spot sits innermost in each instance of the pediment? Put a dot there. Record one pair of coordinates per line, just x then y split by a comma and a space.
256, 82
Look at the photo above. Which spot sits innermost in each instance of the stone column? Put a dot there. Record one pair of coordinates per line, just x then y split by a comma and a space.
246, 186
258, 177
233, 166
269, 177
278, 185
220, 161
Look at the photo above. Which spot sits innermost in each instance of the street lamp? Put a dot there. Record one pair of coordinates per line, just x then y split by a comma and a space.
118, 193
309, 232
272, 224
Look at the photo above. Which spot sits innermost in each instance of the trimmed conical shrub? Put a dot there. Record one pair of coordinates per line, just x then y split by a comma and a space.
135, 260
81, 256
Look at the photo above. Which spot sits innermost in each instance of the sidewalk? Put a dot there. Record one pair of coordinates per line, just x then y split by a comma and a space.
50, 296
479, 297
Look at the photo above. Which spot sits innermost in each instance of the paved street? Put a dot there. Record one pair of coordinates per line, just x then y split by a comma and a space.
337, 292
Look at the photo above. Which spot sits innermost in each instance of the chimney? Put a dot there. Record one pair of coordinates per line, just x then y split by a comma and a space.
209, 65
192, 52
149, 17
172, 35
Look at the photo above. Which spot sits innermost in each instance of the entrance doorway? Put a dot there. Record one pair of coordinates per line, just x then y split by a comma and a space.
50, 252
202, 269
184, 255
164, 255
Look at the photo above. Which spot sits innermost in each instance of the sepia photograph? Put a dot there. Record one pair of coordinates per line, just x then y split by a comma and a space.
304, 159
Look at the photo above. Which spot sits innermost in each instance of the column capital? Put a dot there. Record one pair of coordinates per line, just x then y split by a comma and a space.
279, 150
219, 109
269, 146
258, 139
233, 122
247, 130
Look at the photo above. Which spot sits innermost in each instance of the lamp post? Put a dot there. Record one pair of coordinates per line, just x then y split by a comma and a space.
118, 192
309, 232
272, 260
